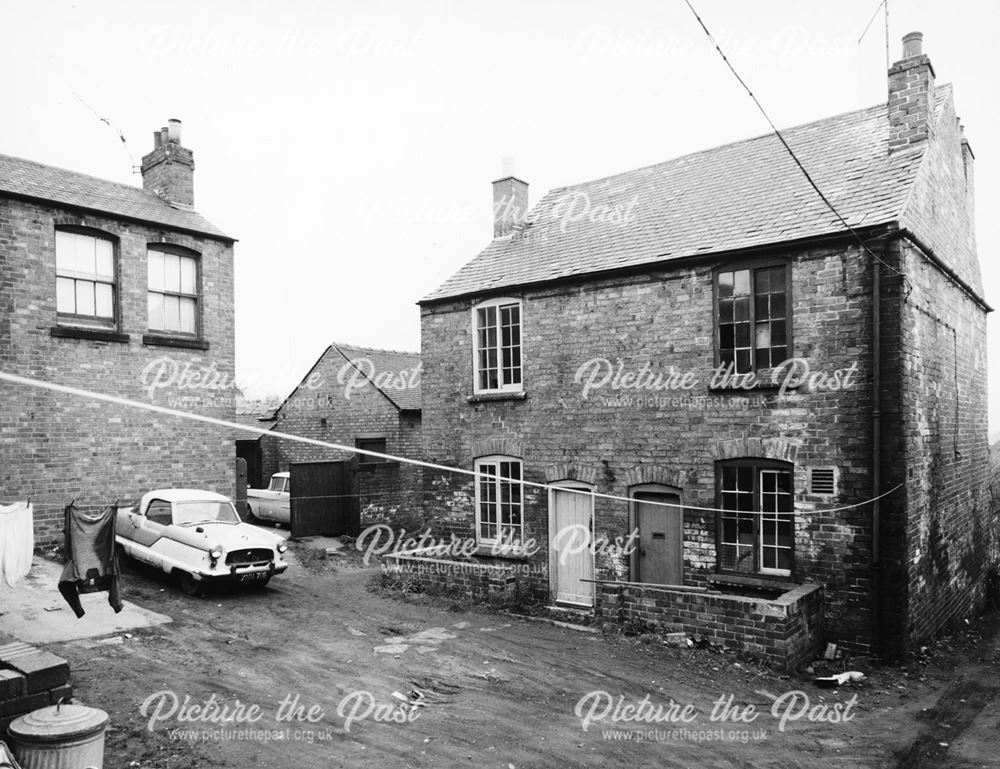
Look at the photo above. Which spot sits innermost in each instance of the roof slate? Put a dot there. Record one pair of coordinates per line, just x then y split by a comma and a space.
69, 188
389, 362
737, 196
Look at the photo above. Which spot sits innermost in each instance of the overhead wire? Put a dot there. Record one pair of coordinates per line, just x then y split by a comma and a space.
236, 426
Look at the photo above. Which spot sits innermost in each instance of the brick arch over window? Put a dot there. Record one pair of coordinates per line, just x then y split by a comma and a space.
566, 471
781, 449
664, 476
506, 446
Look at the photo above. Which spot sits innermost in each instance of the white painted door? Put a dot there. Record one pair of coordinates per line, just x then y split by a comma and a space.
572, 557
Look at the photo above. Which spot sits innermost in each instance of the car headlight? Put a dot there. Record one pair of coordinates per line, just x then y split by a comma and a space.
282, 548
215, 553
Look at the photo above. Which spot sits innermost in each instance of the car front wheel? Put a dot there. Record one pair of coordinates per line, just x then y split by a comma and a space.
189, 585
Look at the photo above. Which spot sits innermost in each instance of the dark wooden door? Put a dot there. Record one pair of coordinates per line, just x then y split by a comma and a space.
661, 539
323, 499
250, 451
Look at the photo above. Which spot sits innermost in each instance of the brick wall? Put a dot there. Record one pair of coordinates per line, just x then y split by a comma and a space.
56, 448
785, 630
614, 440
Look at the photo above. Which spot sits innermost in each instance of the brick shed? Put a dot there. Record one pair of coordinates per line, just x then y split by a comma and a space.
366, 398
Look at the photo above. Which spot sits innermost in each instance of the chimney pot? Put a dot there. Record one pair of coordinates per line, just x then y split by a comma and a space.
174, 130
507, 167
913, 44
156, 139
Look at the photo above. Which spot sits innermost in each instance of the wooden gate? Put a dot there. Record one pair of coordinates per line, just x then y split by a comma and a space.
324, 498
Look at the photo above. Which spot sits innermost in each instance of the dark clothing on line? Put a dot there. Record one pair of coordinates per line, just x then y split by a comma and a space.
93, 564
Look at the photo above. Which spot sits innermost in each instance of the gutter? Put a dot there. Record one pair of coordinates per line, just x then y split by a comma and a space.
928, 253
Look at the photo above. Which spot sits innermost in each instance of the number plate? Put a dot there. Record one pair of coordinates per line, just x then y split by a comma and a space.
257, 576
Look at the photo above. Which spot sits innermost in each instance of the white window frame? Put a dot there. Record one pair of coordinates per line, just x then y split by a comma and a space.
166, 249
88, 320
504, 387
497, 500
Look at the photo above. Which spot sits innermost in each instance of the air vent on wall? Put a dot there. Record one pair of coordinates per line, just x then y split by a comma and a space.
823, 481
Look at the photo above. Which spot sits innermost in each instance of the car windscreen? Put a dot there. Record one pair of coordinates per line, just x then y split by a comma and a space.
207, 511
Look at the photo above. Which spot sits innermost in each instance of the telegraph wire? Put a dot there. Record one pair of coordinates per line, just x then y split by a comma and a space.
790, 151
236, 426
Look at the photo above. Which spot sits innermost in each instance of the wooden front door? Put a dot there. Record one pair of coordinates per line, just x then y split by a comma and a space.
660, 557
571, 557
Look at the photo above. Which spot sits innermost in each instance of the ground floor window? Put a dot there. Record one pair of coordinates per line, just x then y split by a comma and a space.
498, 500
755, 524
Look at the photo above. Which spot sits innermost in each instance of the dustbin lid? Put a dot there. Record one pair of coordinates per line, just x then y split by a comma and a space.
58, 722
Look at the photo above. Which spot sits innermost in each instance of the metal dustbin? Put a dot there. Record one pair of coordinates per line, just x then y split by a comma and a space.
60, 737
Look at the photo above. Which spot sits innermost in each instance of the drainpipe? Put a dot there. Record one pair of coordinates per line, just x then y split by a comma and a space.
877, 579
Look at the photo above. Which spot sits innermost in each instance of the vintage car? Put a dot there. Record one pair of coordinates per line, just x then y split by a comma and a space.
272, 503
197, 537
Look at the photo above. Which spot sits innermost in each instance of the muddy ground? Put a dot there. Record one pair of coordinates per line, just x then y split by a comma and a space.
380, 679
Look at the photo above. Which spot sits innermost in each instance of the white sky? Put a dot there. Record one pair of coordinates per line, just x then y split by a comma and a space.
349, 146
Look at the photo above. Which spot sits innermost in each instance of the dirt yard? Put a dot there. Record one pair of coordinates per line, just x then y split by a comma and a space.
316, 670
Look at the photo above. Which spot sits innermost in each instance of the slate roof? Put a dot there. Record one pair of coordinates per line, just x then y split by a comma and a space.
41, 182
389, 362
737, 196
386, 361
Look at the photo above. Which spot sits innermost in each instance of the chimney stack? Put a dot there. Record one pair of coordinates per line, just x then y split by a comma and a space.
911, 95
168, 171
510, 202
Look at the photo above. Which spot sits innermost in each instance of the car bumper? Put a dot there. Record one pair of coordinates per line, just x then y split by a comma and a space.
242, 574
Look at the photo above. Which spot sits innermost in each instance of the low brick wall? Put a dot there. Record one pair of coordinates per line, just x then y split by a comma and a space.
784, 630
483, 579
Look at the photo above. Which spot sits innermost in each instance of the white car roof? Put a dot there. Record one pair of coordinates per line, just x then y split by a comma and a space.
280, 475
183, 495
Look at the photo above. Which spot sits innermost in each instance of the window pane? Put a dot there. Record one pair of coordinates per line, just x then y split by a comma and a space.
742, 309
763, 335
726, 311
86, 254
742, 334
105, 258
742, 283
65, 252
187, 311
84, 297
65, 295
172, 272
156, 311
155, 271
105, 300
171, 313
725, 284
189, 283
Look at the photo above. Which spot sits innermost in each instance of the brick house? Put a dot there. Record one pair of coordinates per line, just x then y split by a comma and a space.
125, 291
361, 397
647, 336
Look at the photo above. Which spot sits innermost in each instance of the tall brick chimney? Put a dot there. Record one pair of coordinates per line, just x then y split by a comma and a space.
510, 201
168, 171
911, 94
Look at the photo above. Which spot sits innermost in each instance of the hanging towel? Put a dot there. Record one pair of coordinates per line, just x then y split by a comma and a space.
7, 760
17, 541
92, 566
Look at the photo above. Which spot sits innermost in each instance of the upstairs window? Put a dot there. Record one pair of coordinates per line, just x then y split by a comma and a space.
173, 292
498, 346
498, 501
371, 444
85, 279
756, 529
753, 318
